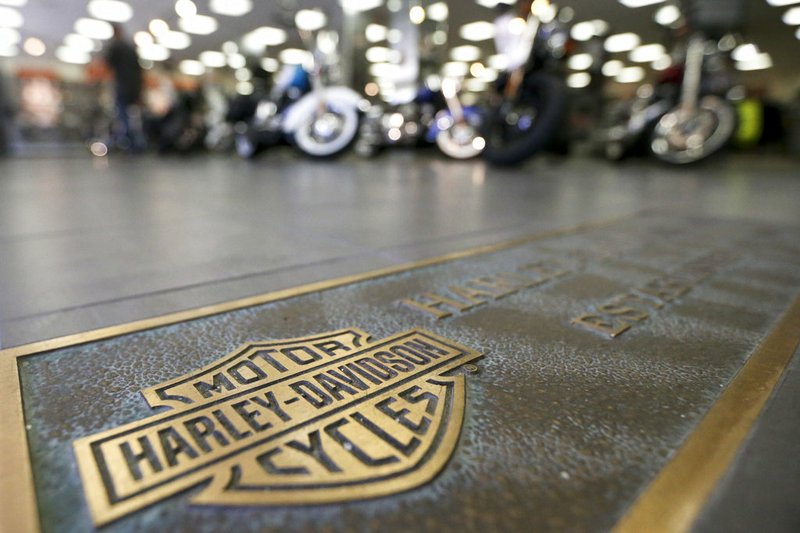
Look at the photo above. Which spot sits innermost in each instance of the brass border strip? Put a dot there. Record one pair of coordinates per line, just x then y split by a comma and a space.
18, 508
677, 495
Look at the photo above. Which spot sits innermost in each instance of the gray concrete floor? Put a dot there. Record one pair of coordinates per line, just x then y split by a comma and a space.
90, 243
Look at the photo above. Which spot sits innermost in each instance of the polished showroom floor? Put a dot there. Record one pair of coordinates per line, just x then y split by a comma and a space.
91, 243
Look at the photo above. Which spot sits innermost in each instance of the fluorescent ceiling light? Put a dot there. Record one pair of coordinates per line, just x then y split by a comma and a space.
142, 38
375, 32
153, 52
10, 51
185, 8
94, 29
381, 54
580, 61
578, 80
776, 3
9, 37
357, 6
175, 40
213, 59
10, 18
191, 67
498, 61
647, 53
480, 30
231, 8
14, 3
622, 42
310, 19
394, 36
662, 63
111, 10
759, 62
639, 3
439, 12
295, 56
79, 42
455, 69
416, 14
583, 31
745, 52
237, 61
198, 24
70, 55
488, 3
612, 68
157, 27
269, 64
670, 14
243, 74
34, 47
383, 70
475, 86
630, 75
255, 41
466, 52
792, 16
230, 47
244, 88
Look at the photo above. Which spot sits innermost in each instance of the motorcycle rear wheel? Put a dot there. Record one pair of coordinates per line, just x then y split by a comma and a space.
682, 138
460, 141
516, 131
342, 121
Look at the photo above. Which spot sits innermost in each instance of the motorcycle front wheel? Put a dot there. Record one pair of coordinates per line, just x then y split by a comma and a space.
517, 130
460, 141
329, 132
682, 137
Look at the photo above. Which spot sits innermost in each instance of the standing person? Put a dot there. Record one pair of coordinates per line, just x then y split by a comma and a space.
123, 61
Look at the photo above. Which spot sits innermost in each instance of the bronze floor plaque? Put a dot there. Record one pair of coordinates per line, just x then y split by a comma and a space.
584, 379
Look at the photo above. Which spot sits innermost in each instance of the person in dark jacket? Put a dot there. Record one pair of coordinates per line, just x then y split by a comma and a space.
123, 61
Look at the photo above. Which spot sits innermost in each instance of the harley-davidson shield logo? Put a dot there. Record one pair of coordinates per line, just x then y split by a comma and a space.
312, 420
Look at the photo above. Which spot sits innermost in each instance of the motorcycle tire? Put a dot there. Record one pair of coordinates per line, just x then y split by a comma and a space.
308, 144
457, 148
671, 140
546, 93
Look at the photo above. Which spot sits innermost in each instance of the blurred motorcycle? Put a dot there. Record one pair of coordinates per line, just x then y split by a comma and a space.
320, 120
527, 111
456, 129
685, 118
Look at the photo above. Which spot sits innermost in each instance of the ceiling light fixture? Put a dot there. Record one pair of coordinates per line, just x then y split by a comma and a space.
668, 15
375, 32
438, 12
583, 31
94, 29
9, 37
480, 30
310, 19
198, 24
612, 68
647, 53
10, 18
358, 6
580, 61
175, 40
465, 52
34, 47
579, 80
258, 39
70, 55
191, 67
153, 52
760, 62
792, 16
79, 42
640, 3
630, 75
110, 10
212, 59
185, 8
622, 42
231, 8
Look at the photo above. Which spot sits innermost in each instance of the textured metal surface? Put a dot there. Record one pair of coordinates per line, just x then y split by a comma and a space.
563, 425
